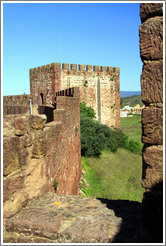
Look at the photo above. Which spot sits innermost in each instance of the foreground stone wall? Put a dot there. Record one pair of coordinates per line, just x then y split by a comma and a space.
151, 51
35, 153
99, 87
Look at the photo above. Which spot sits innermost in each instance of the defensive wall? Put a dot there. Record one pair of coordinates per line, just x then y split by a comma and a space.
151, 51
99, 87
18, 104
36, 153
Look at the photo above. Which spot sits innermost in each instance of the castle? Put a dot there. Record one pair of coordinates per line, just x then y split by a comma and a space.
99, 87
28, 144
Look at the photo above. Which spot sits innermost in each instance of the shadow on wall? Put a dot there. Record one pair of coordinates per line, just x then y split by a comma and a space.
137, 218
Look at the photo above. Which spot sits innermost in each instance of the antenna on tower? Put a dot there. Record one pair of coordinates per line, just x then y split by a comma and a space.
60, 46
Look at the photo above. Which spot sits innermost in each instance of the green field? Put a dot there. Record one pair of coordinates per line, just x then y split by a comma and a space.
131, 126
113, 176
116, 175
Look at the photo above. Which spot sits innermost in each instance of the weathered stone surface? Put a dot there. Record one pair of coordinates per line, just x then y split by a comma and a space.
148, 10
151, 39
152, 82
11, 185
36, 153
151, 50
11, 154
152, 125
152, 166
56, 218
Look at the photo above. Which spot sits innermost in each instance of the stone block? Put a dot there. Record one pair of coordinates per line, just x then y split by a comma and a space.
11, 154
37, 121
65, 66
73, 67
88, 67
82, 67
39, 147
96, 68
152, 82
151, 39
103, 68
152, 166
11, 185
152, 125
148, 10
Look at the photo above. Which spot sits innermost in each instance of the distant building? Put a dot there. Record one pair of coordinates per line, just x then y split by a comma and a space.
123, 113
137, 109
127, 107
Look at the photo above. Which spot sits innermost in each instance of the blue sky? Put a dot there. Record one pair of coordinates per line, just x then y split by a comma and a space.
105, 34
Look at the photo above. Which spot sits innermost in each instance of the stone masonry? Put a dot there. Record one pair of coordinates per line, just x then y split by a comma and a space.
151, 50
99, 87
35, 153
18, 104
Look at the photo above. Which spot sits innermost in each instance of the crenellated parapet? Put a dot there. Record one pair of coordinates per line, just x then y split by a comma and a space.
16, 100
44, 69
70, 92
73, 67
99, 87
89, 68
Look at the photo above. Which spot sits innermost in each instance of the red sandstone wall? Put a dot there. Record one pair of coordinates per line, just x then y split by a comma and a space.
35, 153
151, 51
16, 100
19, 104
45, 80
68, 113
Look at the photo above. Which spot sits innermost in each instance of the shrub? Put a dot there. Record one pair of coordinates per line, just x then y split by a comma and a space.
87, 111
96, 137
55, 185
134, 146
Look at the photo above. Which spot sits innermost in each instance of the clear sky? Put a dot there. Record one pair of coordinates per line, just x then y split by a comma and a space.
36, 34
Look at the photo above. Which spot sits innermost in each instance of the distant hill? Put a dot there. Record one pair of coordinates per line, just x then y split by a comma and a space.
129, 93
131, 101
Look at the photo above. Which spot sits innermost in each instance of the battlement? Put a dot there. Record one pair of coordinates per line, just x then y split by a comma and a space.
16, 100
45, 68
99, 87
70, 92
73, 67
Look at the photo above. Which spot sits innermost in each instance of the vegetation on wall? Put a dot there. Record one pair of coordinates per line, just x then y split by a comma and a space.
55, 185
87, 111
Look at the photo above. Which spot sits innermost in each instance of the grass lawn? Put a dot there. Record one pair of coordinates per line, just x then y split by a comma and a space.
114, 176
131, 126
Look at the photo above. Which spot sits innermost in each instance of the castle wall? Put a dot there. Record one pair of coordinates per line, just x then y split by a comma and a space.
44, 82
151, 51
99, 87
35, 153
96, 88
18, 104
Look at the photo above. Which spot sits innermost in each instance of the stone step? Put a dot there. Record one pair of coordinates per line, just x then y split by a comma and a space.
55, 218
